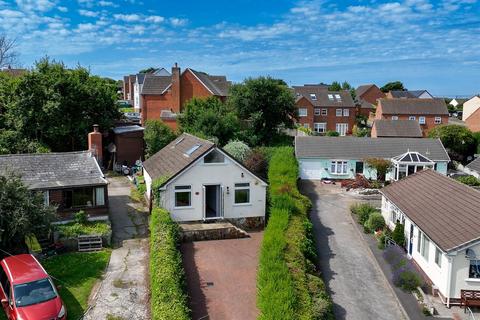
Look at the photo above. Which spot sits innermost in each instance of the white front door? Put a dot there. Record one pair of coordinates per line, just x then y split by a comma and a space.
342, 128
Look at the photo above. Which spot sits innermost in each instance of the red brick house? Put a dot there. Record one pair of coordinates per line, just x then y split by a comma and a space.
322, 110
163, 97
369, 93
428, 112
129, 87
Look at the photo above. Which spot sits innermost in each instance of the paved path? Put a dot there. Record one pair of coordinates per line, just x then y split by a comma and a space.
123, 294
357, 286
221, 278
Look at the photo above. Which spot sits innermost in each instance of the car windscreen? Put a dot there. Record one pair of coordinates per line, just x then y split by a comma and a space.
34, 292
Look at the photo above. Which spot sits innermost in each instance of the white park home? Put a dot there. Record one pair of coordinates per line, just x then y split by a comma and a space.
202, 182
442, 229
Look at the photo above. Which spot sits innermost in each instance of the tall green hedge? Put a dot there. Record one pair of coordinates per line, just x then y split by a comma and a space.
167, 277
289, 286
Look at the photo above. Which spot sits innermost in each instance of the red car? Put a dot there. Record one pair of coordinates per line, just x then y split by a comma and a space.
27, 291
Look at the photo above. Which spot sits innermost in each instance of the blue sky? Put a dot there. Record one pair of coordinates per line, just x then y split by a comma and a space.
432, 45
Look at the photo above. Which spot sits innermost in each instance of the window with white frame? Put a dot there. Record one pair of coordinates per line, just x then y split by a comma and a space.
320, 127
411, 118
338, 97
474, 270
324, 112
346, 112
424, 245
394, 117
183, 196
330, 97
338, 112
313, 96
338, 167
438, 120
302, 112
306, 125
242, 193
317, 111
421, 120
438, 257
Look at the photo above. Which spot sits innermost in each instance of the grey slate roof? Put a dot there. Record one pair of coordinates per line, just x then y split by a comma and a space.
321, 92
345, 148
126, 129
413, 106
474, 165
218, 85
155, 84
397, 128
172, 160
446, 210
407, 93
54, 170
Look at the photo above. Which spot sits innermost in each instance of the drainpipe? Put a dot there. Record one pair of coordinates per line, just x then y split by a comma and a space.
449, 279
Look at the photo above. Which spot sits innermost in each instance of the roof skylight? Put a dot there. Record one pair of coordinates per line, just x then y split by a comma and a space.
189, 152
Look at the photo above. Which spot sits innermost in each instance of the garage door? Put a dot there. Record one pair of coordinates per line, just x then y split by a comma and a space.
310, 170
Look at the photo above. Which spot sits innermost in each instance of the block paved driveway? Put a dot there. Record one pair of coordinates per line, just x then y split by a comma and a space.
357, 286
221, 278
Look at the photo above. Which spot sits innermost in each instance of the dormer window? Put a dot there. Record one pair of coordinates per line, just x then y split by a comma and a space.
313, 96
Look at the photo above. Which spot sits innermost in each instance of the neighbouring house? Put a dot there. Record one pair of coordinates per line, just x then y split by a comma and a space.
72, 181
126, 147
163, 97
473, 168
322, 110
428, 112
409, 94
471, 113
201, 182
385, 128
138, 85
457, 102
441, 218
344, 157
369, 93
129, 88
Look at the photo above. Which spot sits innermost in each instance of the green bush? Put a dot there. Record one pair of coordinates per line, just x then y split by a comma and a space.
167, 277
81, 217
75, 229
237, 149
363, 211
287, 281
375, 221
469, 181
398, 234
409, 280
332, 133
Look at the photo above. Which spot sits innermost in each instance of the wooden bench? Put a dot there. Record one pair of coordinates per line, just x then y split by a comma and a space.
469, 298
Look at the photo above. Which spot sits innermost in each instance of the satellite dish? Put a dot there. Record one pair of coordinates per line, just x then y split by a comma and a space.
470, 254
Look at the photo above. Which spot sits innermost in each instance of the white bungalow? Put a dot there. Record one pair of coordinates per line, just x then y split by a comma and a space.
442, 229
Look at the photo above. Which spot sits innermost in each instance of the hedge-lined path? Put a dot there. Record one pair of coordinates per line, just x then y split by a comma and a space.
358, 288
221, 277
123, 293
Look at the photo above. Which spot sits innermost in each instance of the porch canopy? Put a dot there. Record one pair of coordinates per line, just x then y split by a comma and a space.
409, 163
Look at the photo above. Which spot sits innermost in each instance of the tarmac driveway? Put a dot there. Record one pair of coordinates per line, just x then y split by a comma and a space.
357, 286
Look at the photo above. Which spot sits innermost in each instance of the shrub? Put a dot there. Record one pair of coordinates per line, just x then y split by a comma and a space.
237, 149
381, 241
363, 212
398, 234
375, 221
469, 181
81, 217
142, 188
332, 133
406, 277
75, 229
257, 163
167, 277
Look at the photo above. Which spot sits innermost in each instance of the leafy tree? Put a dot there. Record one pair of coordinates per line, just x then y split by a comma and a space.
336, 86
382, 166
257, 162
395, 85
458, 140
264, 105
22, 212
11, 141
148, 70
8, 54
210, 118
156, 135
469, 181
360, 132
57, 106
237, 149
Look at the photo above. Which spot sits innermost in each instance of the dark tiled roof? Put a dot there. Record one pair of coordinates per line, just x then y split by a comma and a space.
366, 105
362, 148
155, 84
140, 78
474, 165
414, 106
446, 210
397, 128
54, 170
218, 85
362, 89
172, 159
407, 93
321, 93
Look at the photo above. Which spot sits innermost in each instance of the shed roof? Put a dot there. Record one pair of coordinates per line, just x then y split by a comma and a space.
413, 106
397, 128
474, 165
361, 148
446, 210
54, 170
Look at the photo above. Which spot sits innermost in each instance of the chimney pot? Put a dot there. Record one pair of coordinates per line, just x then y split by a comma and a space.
96, 128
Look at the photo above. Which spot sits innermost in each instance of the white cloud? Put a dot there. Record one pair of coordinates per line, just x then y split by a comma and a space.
36, 5
155, 19
62, 9
88, 13
107, 4
178, 22
127, 17
259, 32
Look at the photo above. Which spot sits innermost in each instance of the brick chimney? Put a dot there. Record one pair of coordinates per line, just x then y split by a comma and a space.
95, 144
176, 88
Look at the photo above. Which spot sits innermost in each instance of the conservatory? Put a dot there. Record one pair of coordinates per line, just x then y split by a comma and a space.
410, 162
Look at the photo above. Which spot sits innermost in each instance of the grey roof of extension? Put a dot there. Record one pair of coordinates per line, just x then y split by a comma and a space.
397, 128
172, 159
54, 170
446, 210
345, 148
322, 100
474, 165
155, 84
413, 106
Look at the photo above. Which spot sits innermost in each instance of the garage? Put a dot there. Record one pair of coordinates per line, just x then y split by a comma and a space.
311, 169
